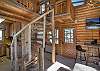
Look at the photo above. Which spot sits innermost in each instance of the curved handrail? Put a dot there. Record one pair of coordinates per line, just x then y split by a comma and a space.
60, 7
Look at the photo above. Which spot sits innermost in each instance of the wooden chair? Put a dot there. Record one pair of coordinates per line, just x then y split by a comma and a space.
81, 53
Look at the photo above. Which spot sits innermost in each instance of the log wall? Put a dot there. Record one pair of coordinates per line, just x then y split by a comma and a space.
82, 13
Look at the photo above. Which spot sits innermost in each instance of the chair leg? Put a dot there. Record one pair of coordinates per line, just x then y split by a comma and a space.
76, 57
85, 58
80, 57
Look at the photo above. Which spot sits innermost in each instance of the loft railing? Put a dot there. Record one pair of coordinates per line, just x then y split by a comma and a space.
60, 7
29, 5
64, 7
25, 50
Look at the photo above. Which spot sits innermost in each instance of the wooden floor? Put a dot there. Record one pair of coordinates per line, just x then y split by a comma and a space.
4, 64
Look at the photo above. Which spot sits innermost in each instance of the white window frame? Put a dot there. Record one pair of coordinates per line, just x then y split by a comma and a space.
56, 36
1, 35
69, 36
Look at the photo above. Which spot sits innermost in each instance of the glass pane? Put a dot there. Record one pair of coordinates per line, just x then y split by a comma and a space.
71, 40
67, 31
47, 3
51, 40
39, 36
56, 41
0, 34
65, 40
68, 40
39, 32
77, 2
65, 36
71, 35
50, 36
57, 33
68, 36
71, 30
43, 7
50, 32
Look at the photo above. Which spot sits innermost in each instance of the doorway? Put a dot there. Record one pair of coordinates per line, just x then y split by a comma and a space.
68, 42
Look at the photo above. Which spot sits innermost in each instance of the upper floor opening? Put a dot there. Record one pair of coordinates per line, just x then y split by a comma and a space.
78, 2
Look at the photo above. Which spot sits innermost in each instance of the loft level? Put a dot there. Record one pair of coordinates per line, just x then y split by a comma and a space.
63, 9
13, 12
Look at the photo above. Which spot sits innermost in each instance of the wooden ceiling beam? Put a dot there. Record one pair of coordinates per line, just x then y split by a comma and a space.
4, 13
9, 19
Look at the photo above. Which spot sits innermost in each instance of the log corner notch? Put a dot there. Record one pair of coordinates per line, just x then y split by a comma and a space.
11, 9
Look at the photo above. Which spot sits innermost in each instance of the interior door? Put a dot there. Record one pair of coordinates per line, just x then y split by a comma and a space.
68, 42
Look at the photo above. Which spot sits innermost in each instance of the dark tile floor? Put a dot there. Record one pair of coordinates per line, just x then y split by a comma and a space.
5, 65
66, 61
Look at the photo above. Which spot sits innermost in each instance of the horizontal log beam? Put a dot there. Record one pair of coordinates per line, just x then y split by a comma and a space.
11, 12
14, 9
11, 15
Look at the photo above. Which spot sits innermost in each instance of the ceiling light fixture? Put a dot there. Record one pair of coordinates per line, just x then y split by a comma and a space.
1, 20
93, 3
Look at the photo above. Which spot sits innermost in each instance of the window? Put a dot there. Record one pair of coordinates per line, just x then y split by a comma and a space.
77, 2
42, 8
39, 37
50, 36
68, 35
56, 36
0, 34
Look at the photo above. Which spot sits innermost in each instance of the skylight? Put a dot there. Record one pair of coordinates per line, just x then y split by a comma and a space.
77, 2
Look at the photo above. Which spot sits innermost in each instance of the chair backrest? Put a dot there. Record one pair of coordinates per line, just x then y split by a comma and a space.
80, 67
56, 66
78, 47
